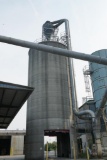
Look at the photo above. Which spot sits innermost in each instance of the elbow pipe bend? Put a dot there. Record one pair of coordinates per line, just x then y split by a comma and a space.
81, 113
84, 117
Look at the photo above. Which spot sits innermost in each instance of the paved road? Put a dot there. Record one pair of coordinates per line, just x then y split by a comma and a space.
72, 159
23, 158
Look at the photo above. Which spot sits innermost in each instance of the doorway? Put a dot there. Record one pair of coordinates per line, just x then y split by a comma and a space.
5, 142
62, 140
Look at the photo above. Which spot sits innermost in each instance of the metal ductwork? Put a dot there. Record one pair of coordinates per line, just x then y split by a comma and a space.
59, 51
86, 112
72, 80
70, 54
54, 50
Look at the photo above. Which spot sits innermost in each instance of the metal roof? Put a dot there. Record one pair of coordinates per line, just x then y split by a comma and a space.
12, 97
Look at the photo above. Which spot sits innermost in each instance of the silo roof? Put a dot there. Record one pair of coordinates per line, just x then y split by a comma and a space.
12, 98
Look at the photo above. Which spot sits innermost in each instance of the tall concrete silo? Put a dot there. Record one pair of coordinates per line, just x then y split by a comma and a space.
48, 110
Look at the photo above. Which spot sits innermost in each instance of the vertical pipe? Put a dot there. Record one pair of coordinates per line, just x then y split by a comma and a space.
71, 66
87, 154
68, 37
47, 151
105, 120
11, 151
72, 78
74, 150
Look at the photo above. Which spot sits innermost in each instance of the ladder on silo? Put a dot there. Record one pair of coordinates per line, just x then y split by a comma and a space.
86, 73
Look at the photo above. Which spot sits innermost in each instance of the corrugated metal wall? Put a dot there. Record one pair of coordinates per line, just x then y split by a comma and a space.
48, 106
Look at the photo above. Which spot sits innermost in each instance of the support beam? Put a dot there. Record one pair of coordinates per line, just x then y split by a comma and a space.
3, 116
7, 106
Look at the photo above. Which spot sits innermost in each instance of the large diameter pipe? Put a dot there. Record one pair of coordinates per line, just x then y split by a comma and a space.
81, 113
58, 51
71, 77
54, 50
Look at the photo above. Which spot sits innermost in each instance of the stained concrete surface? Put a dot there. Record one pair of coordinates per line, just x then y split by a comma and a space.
71, 159
22, 157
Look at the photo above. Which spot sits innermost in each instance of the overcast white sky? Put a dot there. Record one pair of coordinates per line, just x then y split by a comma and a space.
23, 19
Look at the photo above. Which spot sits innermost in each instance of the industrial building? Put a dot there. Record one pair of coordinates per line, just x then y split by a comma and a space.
84, 129
52, 108
12, 142
12, 97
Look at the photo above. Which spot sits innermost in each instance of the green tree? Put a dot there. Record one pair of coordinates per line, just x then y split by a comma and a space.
54, 145
51, 146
